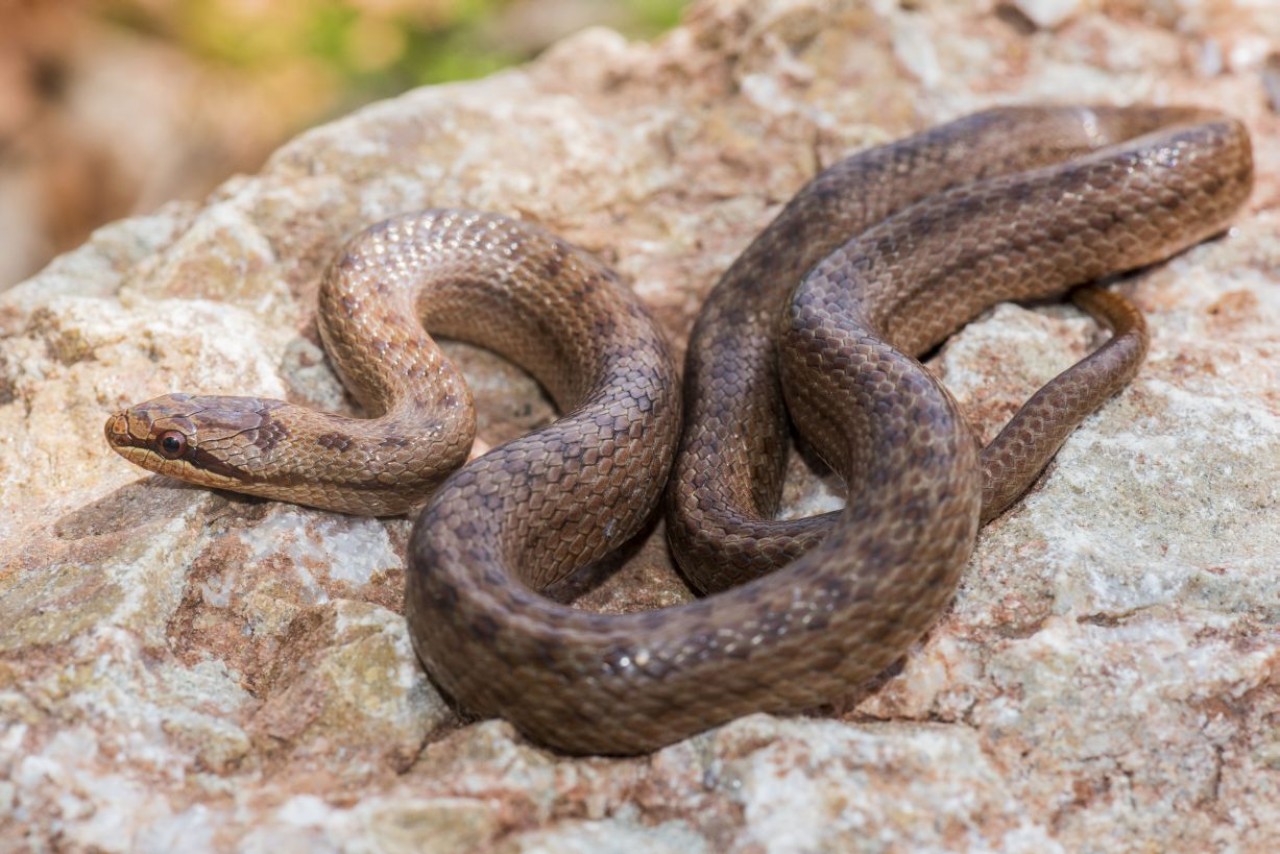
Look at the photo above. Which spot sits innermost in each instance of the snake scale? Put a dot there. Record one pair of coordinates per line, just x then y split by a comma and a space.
873, 263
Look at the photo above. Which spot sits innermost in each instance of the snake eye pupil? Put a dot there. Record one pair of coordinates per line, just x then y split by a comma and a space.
172, 444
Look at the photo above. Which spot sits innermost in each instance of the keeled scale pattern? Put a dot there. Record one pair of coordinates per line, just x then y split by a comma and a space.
727, 478
475, 276
534, 509
850, 605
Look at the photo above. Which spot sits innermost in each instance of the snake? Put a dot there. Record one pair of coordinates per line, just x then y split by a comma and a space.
818, 325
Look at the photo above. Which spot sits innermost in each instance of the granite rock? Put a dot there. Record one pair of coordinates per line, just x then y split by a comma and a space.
188, 670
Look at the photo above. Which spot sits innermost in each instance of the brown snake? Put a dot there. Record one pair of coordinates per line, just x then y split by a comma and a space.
901, 244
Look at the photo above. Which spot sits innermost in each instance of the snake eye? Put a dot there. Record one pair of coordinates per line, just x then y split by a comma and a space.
172, 444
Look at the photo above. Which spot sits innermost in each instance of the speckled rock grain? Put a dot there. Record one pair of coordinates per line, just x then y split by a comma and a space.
181, 670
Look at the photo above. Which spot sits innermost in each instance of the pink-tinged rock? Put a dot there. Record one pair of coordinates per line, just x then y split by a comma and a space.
182, 670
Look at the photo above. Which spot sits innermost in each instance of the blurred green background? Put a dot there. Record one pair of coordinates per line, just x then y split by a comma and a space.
371, 48
111, 107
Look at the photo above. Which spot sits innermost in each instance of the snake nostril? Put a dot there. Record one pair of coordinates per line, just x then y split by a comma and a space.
115, 427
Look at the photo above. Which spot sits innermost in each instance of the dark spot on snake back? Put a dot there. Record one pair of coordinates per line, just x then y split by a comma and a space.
483, 626
555, 261
269, 433
334, 442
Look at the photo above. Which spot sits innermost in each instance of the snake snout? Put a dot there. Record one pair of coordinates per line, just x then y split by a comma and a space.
126, 430
117, 428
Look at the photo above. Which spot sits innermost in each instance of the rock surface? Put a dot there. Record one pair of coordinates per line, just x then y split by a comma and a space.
182, 670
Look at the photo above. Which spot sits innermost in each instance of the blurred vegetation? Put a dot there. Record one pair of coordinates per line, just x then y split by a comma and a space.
373, 48
112, 107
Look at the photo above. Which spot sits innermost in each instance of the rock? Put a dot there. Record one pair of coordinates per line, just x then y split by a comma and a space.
1048, 14
182, 669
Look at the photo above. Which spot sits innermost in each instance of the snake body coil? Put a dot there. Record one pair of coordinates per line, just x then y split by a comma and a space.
874, 262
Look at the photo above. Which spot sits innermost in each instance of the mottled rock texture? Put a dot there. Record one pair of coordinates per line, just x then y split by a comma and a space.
182, 670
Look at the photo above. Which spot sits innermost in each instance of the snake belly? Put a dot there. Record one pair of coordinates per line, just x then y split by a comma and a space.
946, 234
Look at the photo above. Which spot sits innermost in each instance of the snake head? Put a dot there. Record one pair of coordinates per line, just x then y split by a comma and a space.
219, 442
